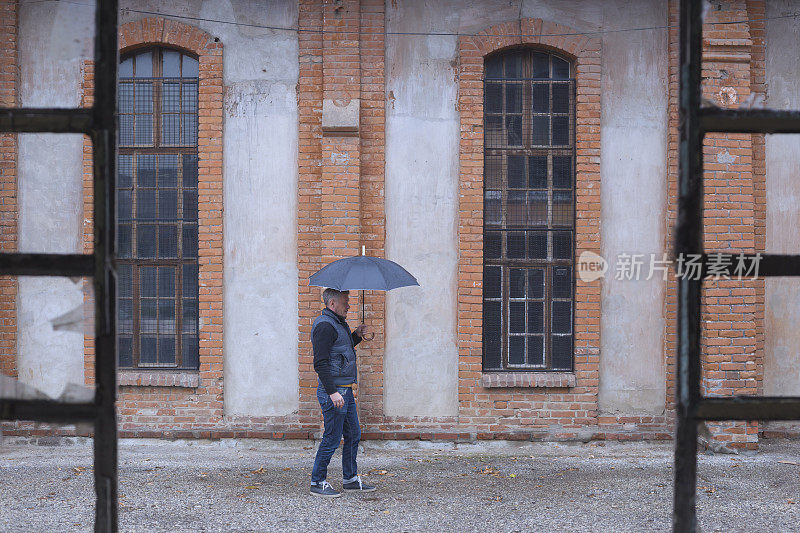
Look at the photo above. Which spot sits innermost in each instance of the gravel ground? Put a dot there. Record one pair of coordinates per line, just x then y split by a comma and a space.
499, 487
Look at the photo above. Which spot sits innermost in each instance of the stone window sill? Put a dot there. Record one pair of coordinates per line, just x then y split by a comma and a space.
528, 379
155, 378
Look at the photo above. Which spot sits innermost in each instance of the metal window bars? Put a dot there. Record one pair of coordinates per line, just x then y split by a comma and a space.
695, 122
529, 221
157, 210
99, 123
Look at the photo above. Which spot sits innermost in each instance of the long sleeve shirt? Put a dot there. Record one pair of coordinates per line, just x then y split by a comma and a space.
322, 338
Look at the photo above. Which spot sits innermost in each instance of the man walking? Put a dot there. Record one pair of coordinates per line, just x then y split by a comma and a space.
335, 364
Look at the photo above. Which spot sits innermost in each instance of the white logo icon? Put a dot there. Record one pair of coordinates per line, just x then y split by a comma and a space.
591, 266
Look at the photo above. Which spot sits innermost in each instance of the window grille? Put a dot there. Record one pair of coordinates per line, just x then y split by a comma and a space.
529, 211
157, 219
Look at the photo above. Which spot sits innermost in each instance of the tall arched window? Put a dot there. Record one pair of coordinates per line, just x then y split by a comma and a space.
529, 211
157, 210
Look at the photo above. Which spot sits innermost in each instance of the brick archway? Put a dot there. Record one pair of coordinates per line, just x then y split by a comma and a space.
159, 31
476, 393
197, 393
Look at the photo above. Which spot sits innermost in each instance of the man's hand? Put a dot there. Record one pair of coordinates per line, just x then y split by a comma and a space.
364, 333
337, 399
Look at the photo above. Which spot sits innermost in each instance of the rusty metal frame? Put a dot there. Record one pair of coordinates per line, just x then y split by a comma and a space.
157, 149
692, 408
100, 123
526, 149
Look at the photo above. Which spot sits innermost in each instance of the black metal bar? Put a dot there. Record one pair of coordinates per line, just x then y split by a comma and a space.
688, 240
46, 411
100, 123
749, 408
779, 265
741, 265
24, 120
71, 265
749, 120
104, 140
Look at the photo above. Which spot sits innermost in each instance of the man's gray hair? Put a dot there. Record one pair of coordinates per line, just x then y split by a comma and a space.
330, 294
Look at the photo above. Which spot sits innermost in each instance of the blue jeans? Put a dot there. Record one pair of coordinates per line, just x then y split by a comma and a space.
338, 422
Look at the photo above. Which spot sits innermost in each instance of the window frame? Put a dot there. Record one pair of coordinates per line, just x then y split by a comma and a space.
527, 149
156, 149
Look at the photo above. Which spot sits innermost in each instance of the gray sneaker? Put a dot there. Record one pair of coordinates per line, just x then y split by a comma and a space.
358, 485
324, 489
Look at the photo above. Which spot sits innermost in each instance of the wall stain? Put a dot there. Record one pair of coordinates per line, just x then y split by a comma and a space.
338, 158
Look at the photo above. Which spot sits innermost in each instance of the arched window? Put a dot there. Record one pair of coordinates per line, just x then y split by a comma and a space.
157, 210
529, 211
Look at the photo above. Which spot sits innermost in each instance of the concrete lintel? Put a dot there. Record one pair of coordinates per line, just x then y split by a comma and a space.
143, 378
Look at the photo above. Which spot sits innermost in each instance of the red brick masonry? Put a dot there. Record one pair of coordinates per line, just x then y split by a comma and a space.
341, 208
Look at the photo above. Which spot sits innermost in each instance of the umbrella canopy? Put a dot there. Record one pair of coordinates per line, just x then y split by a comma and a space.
362, 273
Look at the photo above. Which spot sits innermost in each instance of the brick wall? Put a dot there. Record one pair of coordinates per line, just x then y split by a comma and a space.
341, 208
520, 411
733, 317
756, 11
673, 142
334, 184
87, 181
372, 119
309, 189
9, 79
150, 401
341, 179
729, 306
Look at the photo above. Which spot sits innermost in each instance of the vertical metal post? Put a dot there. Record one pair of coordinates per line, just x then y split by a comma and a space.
689, 240
104, 140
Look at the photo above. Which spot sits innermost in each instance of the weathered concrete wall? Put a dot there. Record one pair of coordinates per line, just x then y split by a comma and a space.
782, 298
633, 212
581, 15
260, 196
53, 41
422, 127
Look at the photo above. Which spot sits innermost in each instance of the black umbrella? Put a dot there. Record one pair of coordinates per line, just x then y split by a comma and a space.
362, 272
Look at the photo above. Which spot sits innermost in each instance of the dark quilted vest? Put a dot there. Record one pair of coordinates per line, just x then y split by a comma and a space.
343, 354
